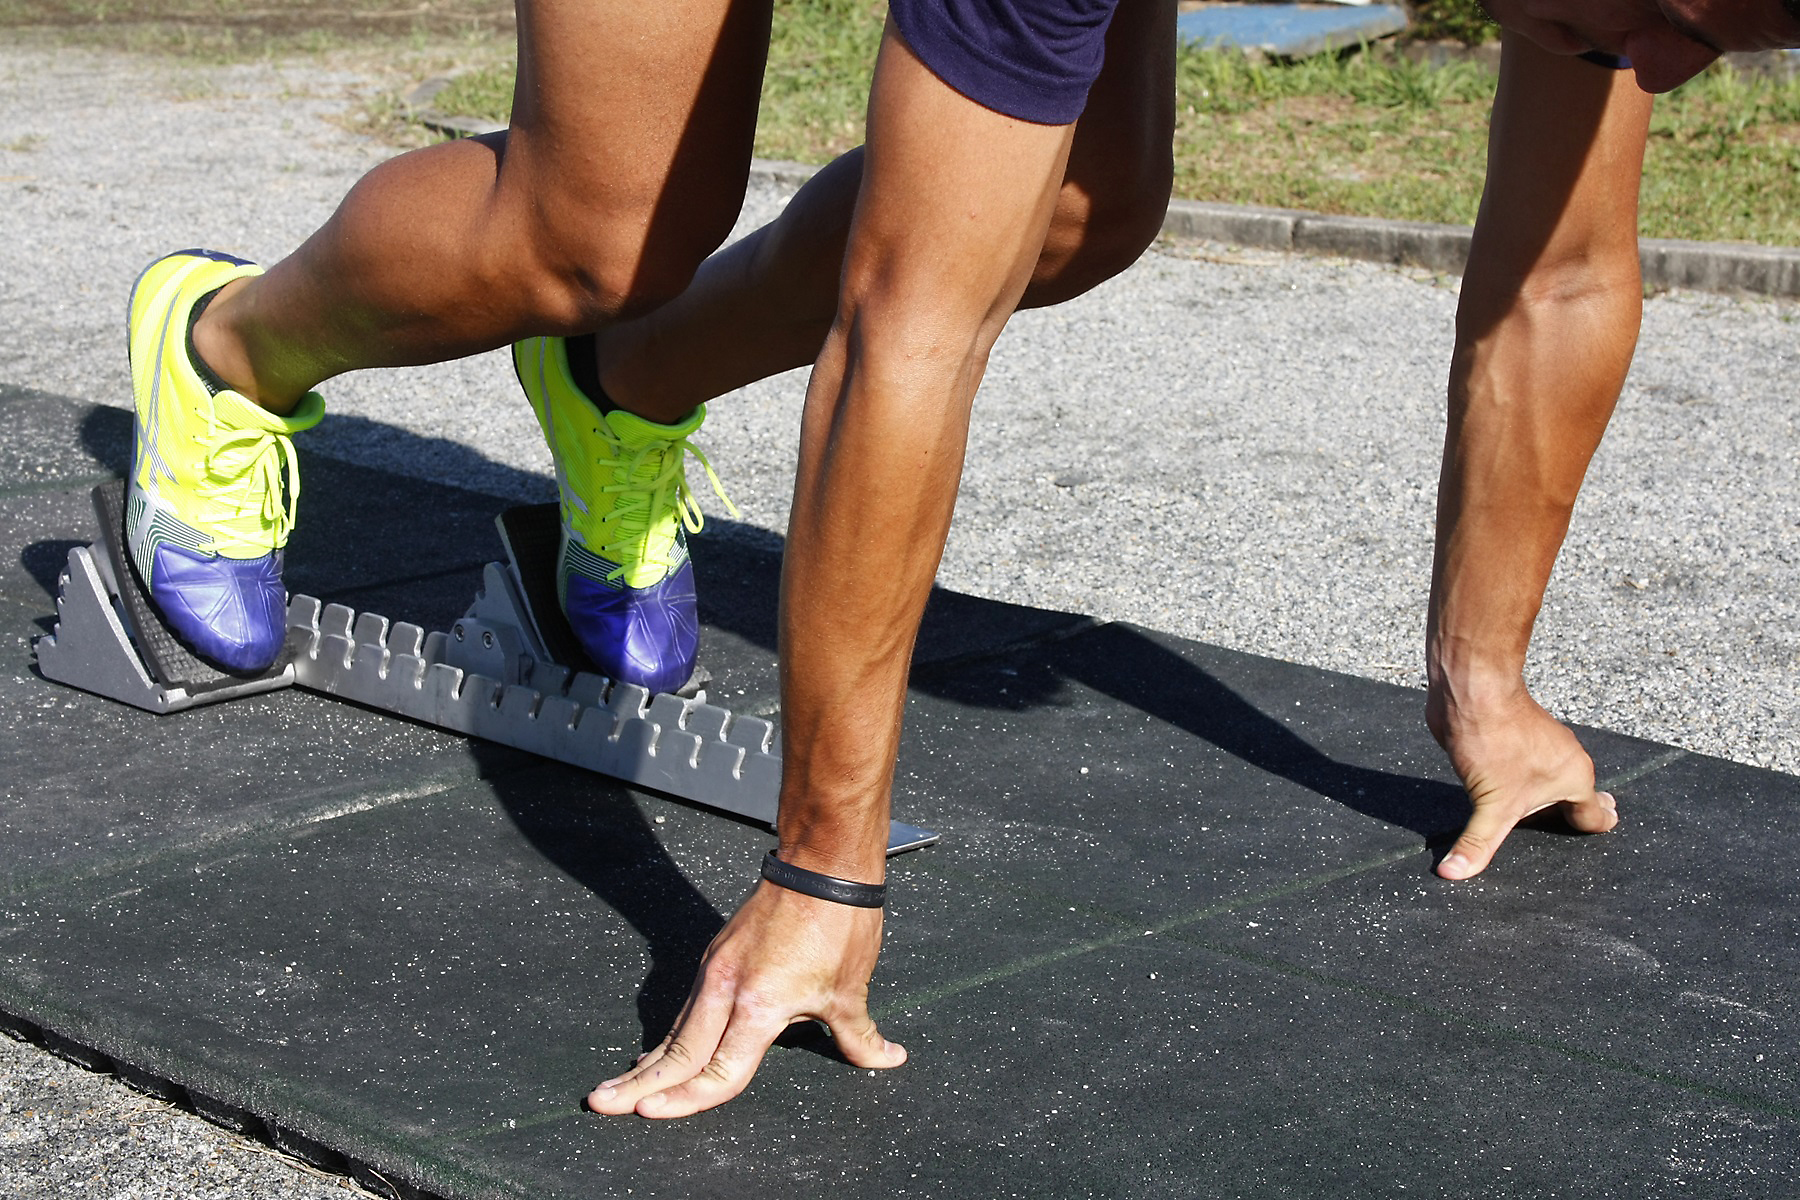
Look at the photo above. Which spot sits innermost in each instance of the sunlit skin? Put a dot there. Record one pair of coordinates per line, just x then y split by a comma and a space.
1546, 326
1553, 282
896, 268
597, 210
765, 303
955, 204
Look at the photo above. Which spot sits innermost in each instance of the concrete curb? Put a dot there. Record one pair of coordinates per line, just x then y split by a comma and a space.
1666, 262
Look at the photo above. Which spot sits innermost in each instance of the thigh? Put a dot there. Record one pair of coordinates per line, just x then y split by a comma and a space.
1128, 125
643, 113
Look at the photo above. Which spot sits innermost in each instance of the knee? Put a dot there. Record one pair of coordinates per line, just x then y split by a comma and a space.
590, 260
589, 275
1104, 222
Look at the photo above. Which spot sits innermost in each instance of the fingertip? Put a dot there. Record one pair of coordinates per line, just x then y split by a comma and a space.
886, 1055
1457, 865
868, 1049
603, 1101
1599, 815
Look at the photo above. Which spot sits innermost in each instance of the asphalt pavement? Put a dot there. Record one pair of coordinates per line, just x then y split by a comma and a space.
1232, 447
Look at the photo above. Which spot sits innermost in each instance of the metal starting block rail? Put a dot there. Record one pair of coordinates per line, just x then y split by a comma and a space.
488, 676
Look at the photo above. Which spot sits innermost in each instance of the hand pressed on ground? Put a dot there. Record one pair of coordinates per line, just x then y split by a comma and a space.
1515, 760
782, 959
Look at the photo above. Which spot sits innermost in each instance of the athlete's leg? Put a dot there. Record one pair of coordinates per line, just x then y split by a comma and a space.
763, 305
624, 167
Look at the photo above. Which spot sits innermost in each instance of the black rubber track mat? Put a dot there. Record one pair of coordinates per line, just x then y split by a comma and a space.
1181, 937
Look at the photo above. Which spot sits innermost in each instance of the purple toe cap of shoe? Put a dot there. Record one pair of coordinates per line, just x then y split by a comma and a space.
647, 636
231, 612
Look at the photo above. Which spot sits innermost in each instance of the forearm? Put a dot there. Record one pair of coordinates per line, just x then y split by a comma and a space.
1529, 401
872, 505
1546, 327
954, 207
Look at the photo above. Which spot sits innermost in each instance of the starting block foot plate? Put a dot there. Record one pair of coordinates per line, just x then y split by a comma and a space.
509, 672
110, 640
531, 535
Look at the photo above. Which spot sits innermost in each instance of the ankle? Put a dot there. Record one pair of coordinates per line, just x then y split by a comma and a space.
584, 371
220, 358
610, 360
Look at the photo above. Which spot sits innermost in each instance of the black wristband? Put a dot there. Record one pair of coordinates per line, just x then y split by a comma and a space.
823, 887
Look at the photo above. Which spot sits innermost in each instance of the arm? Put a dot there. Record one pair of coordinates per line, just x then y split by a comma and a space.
1547, 323
954, 204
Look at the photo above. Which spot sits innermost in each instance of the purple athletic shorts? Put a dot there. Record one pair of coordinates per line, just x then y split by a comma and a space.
1612, 62
1030, 59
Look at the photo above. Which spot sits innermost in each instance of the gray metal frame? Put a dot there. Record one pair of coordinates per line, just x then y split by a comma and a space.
486, 677
92, 648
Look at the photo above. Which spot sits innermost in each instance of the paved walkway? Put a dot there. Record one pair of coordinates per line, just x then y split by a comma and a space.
1181, 937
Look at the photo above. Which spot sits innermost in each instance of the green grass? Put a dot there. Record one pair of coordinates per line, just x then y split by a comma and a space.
238, 30
815, 89
1371, 134
1724, 161
1394, 139
1450, 20
1363, 135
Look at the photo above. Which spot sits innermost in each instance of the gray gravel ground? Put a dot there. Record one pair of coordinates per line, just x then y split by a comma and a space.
67, 1132
1236, 447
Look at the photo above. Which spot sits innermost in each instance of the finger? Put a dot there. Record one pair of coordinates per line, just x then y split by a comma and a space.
1481, 838
862, 1044
1597, 815
645, 1061
647, 1058
1474, 850
740, 1052
682, 1055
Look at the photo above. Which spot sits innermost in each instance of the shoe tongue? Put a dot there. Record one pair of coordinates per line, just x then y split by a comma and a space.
634, 431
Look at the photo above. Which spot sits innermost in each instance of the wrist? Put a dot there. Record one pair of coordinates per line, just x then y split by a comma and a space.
845, 837
821, 886
861, 862
1461, 695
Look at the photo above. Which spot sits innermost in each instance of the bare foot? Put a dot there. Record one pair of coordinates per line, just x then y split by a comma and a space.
1515, 760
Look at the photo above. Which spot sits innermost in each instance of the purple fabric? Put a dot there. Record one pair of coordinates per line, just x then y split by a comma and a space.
1600, 58
1030, 59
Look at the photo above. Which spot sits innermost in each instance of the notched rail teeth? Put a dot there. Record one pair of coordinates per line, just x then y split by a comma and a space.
683, 747
686, 748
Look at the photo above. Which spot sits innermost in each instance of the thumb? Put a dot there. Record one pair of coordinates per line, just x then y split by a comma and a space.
862, 1044
1474, 850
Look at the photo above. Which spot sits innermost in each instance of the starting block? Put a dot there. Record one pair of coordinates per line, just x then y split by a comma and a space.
510, 671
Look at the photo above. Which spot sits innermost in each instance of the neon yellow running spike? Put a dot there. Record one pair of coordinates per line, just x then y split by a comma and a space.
623, 574
213, 485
